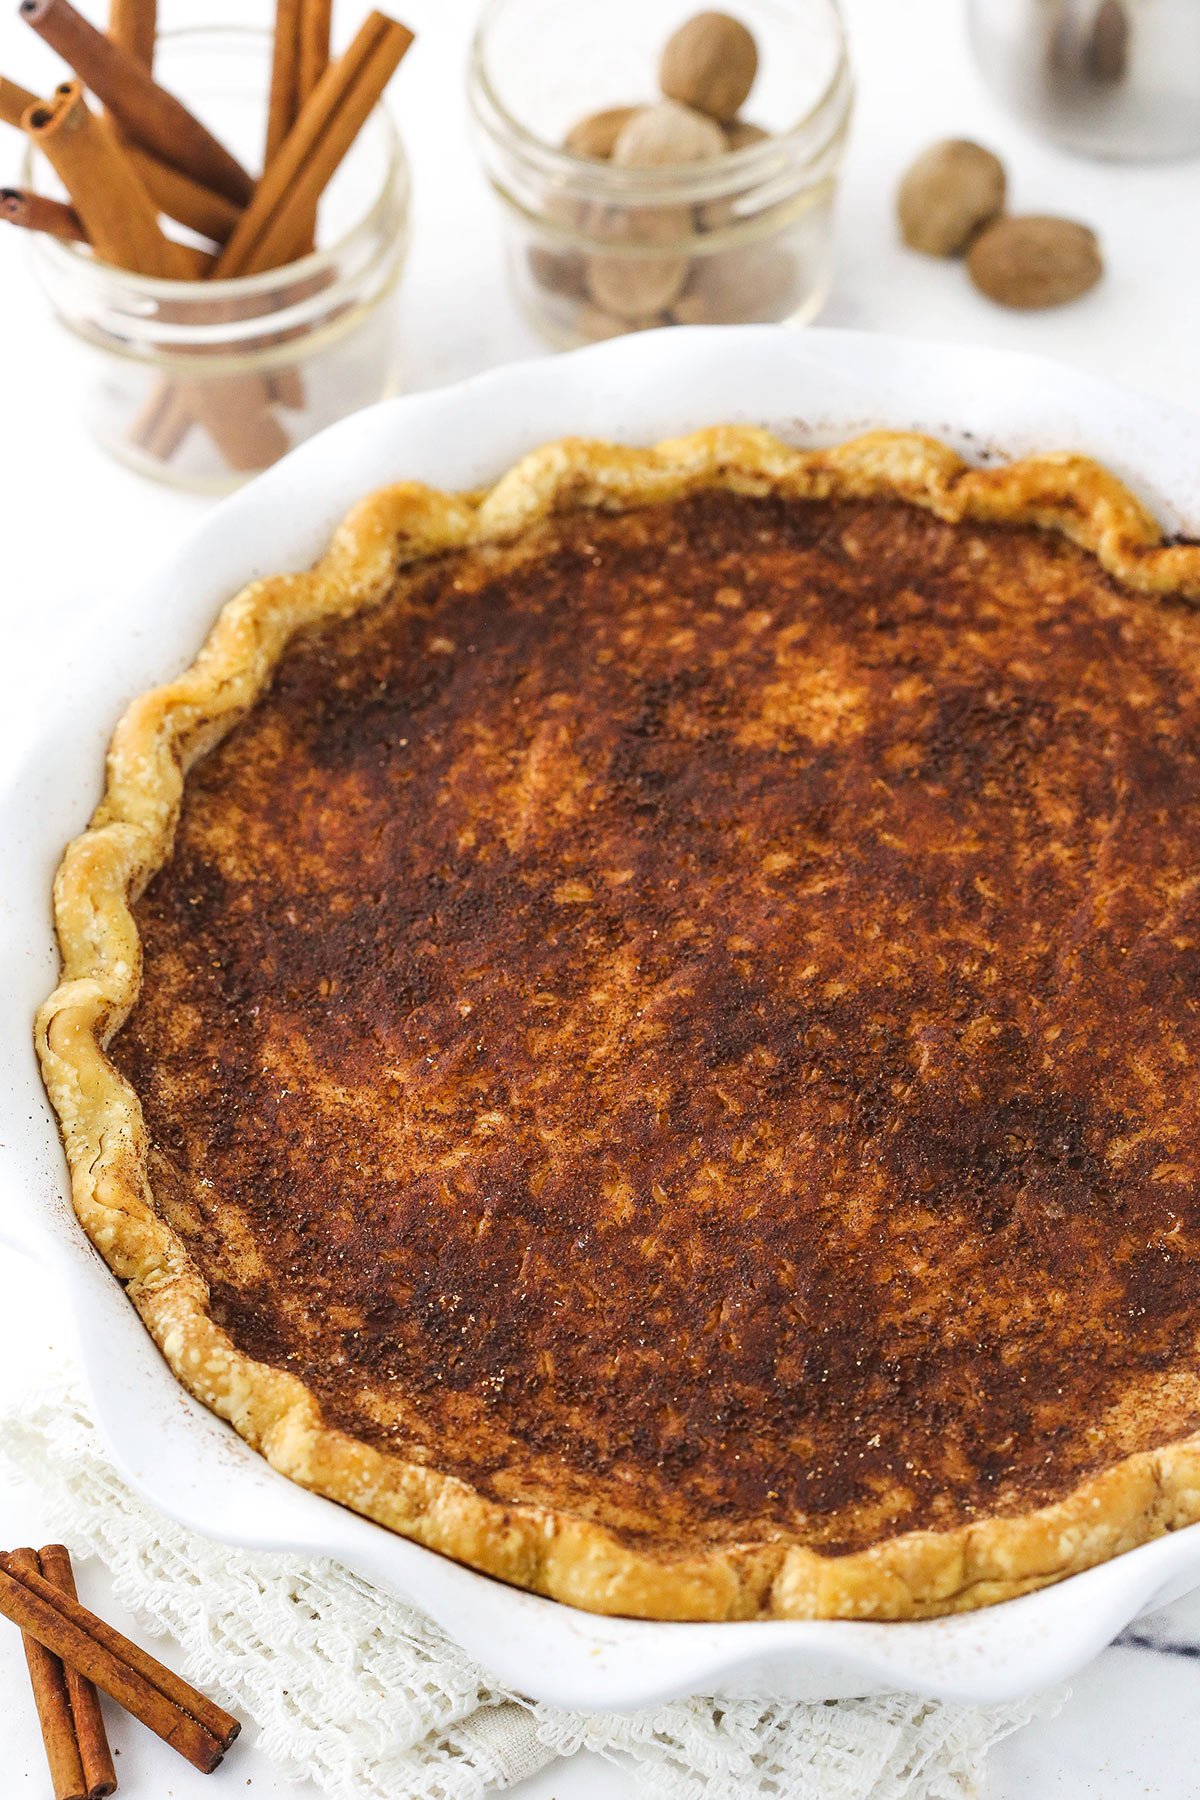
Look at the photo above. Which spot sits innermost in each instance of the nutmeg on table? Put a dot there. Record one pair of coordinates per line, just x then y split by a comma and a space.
949, 194
950, 203
1034, 261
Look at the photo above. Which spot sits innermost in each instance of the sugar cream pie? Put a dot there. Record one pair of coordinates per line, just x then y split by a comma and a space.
642, 1028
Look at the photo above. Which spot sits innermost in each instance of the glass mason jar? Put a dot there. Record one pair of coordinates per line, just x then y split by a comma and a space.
596, 249
203, 383
1117, 79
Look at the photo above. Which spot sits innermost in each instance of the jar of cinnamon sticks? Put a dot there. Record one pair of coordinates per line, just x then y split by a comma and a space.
218, 320
661, 166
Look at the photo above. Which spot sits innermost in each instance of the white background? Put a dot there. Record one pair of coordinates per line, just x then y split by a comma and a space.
76, 530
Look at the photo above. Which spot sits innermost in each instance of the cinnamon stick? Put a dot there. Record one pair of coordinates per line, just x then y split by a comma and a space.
237, 416
121, 222
15, 101
301, 57
117, 212
272, 229
34, 212
94, 1753
162, 1700
315, 22
133, 24
284, 102
48, 1680
145, 112
183, 199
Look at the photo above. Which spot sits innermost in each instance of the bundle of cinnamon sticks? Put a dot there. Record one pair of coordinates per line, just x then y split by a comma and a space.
70, 1653
146, 161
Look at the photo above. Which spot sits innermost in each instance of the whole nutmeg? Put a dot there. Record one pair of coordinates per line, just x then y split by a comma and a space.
755, 283
948, 194
558, 271
1064, 50
596, 135
667, 133
741, 134
633, 290
715, 215
710, 63
1106, 47
594, 324
631, 280
1035, 261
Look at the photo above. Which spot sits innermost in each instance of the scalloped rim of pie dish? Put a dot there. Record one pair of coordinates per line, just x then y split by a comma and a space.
569, 1558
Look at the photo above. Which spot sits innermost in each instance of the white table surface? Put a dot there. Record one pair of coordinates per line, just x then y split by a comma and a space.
76, 528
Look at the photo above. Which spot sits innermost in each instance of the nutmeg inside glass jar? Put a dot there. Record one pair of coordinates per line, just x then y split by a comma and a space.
620, 241
203, 383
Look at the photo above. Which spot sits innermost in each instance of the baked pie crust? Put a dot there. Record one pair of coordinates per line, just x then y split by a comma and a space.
643, 1486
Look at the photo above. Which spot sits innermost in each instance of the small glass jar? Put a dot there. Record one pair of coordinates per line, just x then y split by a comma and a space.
203, 383
1116, 79
596, 249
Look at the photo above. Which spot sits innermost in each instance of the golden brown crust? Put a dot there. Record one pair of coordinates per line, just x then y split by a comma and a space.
552, 1551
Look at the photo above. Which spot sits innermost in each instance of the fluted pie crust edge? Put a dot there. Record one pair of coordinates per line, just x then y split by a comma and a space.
918, 1574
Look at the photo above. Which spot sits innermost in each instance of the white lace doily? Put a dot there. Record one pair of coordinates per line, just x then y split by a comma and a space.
364, 1695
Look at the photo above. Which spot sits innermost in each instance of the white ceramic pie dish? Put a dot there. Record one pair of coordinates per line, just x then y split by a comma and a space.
811, 387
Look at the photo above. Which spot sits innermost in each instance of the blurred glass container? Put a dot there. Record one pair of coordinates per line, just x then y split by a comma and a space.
203, 383
596, 249
1110, 78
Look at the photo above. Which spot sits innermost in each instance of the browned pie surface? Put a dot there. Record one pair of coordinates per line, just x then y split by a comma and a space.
696, 1020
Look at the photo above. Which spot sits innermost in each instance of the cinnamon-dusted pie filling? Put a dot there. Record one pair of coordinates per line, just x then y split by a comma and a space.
667, 1055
